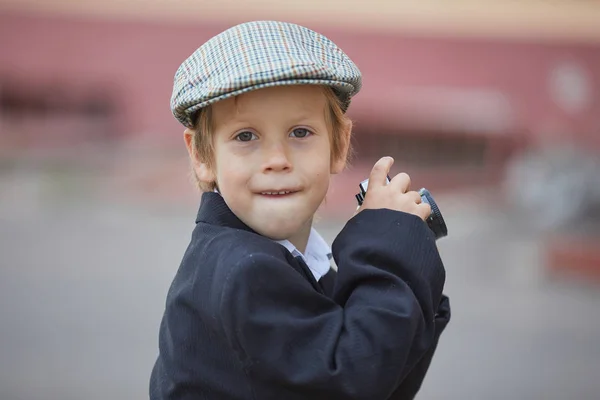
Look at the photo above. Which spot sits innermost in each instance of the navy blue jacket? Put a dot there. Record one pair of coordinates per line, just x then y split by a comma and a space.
244, 319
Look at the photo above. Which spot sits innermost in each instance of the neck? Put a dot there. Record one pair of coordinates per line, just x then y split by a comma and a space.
300, 238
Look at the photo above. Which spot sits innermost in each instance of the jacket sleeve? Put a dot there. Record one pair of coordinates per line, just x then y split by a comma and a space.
412, 383
359, 344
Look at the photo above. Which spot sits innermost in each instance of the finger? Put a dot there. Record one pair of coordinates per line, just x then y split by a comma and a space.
415, 196
402, 182
380, 172
424, 211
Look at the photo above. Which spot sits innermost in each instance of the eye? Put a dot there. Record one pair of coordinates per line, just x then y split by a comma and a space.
245, 136
301, 132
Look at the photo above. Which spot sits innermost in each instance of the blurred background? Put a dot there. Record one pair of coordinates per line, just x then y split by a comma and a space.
492, 105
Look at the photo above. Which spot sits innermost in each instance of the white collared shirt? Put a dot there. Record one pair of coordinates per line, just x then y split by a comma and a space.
317, 255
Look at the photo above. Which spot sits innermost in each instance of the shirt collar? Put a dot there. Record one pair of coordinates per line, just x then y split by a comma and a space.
317, 255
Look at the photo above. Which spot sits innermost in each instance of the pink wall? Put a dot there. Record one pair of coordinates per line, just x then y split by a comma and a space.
139, 59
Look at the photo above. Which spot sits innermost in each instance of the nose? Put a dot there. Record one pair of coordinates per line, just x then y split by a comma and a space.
276, 158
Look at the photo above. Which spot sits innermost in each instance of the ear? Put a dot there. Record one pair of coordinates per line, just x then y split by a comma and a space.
203, 172
338, 164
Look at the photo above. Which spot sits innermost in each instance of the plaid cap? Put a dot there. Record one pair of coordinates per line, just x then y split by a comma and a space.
256, 55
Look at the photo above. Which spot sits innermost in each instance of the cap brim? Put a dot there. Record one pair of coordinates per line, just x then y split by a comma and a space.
344, 91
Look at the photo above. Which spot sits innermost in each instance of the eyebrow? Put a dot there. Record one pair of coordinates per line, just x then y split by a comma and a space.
241, 119
307, 117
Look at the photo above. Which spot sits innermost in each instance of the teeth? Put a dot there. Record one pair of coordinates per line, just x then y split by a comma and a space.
276, 193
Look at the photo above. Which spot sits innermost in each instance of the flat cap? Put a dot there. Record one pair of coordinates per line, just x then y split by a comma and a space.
260, 54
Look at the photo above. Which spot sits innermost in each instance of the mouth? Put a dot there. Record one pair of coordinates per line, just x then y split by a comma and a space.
277, 193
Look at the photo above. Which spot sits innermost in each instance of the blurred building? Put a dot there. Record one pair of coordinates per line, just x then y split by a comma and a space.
451, 92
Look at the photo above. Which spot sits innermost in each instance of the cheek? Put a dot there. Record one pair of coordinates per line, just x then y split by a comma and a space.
231, 176
229, 171
321, 170
322, 160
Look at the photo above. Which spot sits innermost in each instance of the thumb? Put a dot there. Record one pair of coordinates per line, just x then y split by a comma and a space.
380, 171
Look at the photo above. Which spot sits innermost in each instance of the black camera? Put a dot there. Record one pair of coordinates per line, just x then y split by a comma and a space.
435, 221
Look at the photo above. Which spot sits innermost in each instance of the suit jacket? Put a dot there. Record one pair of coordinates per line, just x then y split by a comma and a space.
244, 319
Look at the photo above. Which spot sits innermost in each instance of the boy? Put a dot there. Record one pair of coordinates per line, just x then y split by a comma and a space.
255, 311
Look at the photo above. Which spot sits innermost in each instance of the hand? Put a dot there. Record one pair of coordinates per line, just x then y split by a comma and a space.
394, 196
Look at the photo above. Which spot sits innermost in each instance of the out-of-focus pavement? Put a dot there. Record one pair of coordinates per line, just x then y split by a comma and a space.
83, 280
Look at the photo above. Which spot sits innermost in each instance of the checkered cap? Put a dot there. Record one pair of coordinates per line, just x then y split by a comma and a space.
256, 55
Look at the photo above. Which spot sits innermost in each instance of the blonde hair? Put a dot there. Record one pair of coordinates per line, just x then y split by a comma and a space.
336, 119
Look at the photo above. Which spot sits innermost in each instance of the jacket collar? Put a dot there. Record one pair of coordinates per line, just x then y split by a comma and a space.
213, 210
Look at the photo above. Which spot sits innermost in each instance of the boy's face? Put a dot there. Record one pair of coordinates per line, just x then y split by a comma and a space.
272, 158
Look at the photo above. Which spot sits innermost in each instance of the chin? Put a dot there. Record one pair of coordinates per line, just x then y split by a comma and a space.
276, 233
277, 230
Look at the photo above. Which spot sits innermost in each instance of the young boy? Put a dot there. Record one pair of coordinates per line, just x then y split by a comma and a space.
255, 310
